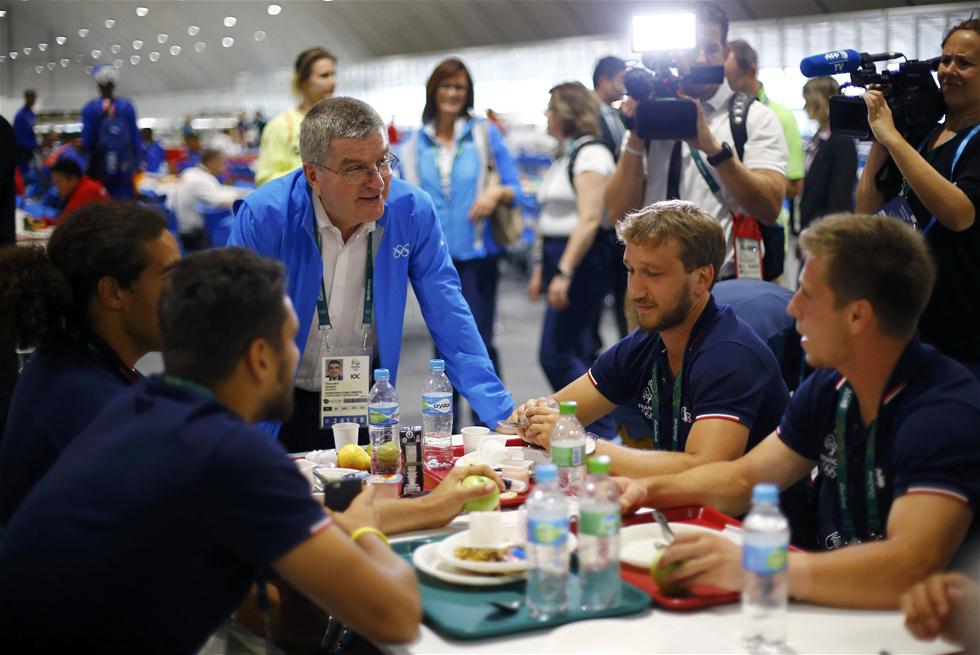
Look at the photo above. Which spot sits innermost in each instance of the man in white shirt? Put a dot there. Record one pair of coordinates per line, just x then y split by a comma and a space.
200, 184
753, 185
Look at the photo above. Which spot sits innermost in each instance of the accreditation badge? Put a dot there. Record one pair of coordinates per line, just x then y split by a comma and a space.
898, 207
748, 247
344, 387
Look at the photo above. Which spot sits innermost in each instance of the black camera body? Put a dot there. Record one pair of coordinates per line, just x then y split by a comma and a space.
660, 114
911, 93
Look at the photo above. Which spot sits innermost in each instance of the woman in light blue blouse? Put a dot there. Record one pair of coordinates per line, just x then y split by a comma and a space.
449, 158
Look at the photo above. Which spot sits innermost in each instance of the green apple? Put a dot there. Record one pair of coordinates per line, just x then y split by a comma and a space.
486, 503
668, 589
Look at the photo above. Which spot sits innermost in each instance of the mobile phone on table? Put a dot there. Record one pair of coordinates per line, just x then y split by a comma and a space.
339, 494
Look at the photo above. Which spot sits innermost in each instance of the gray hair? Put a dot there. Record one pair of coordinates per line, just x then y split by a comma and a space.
336, 118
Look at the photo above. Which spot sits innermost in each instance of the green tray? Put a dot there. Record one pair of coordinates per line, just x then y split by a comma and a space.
464, 613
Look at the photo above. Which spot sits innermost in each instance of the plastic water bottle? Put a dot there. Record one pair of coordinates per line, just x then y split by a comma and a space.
568, 449
547, 546
598, 537
764, 558
383, 419
437, 418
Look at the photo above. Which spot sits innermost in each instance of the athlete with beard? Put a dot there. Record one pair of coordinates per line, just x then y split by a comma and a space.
709, 386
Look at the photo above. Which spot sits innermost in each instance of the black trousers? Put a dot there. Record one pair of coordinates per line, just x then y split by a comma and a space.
302, 432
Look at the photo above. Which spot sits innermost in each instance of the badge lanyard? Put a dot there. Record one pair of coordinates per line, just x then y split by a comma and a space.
323, 311
703, 169
930, 157
675, 406
181, 383
844, 399
99, 347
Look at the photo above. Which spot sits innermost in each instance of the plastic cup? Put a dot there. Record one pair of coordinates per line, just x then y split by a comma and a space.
344, 434
472, 437
491, 450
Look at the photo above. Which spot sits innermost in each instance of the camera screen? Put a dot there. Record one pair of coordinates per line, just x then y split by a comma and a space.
661, 32
849, 116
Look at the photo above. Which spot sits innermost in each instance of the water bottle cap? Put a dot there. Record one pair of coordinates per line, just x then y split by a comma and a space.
380, 374
599, 465
765, 492
567, 408
437, 365
545, 473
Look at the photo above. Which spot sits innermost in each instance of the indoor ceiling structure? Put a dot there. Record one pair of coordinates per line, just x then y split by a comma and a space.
206, 42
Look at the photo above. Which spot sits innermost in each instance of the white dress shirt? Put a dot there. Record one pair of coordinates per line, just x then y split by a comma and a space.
343, 280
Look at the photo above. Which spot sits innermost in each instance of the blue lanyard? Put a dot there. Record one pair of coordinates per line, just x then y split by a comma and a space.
930, 157
675, 406
323, 311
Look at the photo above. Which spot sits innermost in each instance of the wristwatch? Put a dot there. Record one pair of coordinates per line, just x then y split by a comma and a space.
721, 157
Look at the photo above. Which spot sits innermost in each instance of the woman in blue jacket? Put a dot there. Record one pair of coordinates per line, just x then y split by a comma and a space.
449, 158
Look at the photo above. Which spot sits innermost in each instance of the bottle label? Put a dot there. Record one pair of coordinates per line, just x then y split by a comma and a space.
549, 532
566, 456
383, 416
599, 524
440, 405
765, 560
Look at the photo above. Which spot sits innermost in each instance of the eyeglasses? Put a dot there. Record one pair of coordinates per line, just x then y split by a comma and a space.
363, 174
452, 87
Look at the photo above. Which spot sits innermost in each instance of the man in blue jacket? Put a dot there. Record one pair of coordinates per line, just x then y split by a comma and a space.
351, 238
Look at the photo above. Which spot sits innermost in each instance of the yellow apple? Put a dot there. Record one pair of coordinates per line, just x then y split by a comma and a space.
353, 456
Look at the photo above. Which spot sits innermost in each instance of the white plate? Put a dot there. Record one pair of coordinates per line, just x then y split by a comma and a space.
426, 559
447, 553
322, 457
638, 543
526, 453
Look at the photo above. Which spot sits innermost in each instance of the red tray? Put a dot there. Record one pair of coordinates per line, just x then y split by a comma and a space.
432, 479
700, 596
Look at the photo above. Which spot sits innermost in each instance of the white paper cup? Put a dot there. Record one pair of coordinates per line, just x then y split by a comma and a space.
472, 437
344, 433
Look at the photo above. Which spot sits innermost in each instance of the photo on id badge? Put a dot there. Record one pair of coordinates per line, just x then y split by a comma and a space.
344, 389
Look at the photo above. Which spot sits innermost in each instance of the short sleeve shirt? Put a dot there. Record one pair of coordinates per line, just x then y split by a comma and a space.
729, 373
951, 320
926, 438
148, 531
80, 374
559, 213
765, 149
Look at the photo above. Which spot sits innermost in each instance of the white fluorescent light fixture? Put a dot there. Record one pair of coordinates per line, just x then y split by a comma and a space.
654, 32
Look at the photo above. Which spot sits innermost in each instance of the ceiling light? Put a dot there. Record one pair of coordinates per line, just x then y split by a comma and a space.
162, 38
230, 21
96, 54
60, 40
109, 23
28, 50
260, 36
142, 11
274, 9
89, 69
175, 50
83, 32
3, 58
154, 55
227, 42
137, 44
193, 30
135, 59
3, 12
13, 54
42, 47
118, 63
115, 48
199, 46
39, 69
65, 62
51, 65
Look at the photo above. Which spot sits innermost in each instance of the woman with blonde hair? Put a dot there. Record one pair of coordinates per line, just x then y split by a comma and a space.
569, 262
830, 161
314, 79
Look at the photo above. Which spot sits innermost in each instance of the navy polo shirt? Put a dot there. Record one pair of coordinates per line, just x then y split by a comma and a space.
146, 534
66, 383
927, 439
729, 373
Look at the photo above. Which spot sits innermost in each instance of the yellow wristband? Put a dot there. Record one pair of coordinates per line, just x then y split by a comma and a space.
369, 530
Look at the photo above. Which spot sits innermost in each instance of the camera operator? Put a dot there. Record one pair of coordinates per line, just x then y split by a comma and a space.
752, 186
942, 196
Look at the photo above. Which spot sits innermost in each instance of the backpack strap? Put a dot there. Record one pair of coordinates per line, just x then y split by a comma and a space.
573, 155
738, 113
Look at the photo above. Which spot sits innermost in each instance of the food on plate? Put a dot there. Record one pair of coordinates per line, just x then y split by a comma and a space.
353, 456
659, 573
486, 503
508, 495
482, 554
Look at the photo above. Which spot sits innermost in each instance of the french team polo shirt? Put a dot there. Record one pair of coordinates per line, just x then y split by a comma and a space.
927, 438
146, 534
729, 373
66, 383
